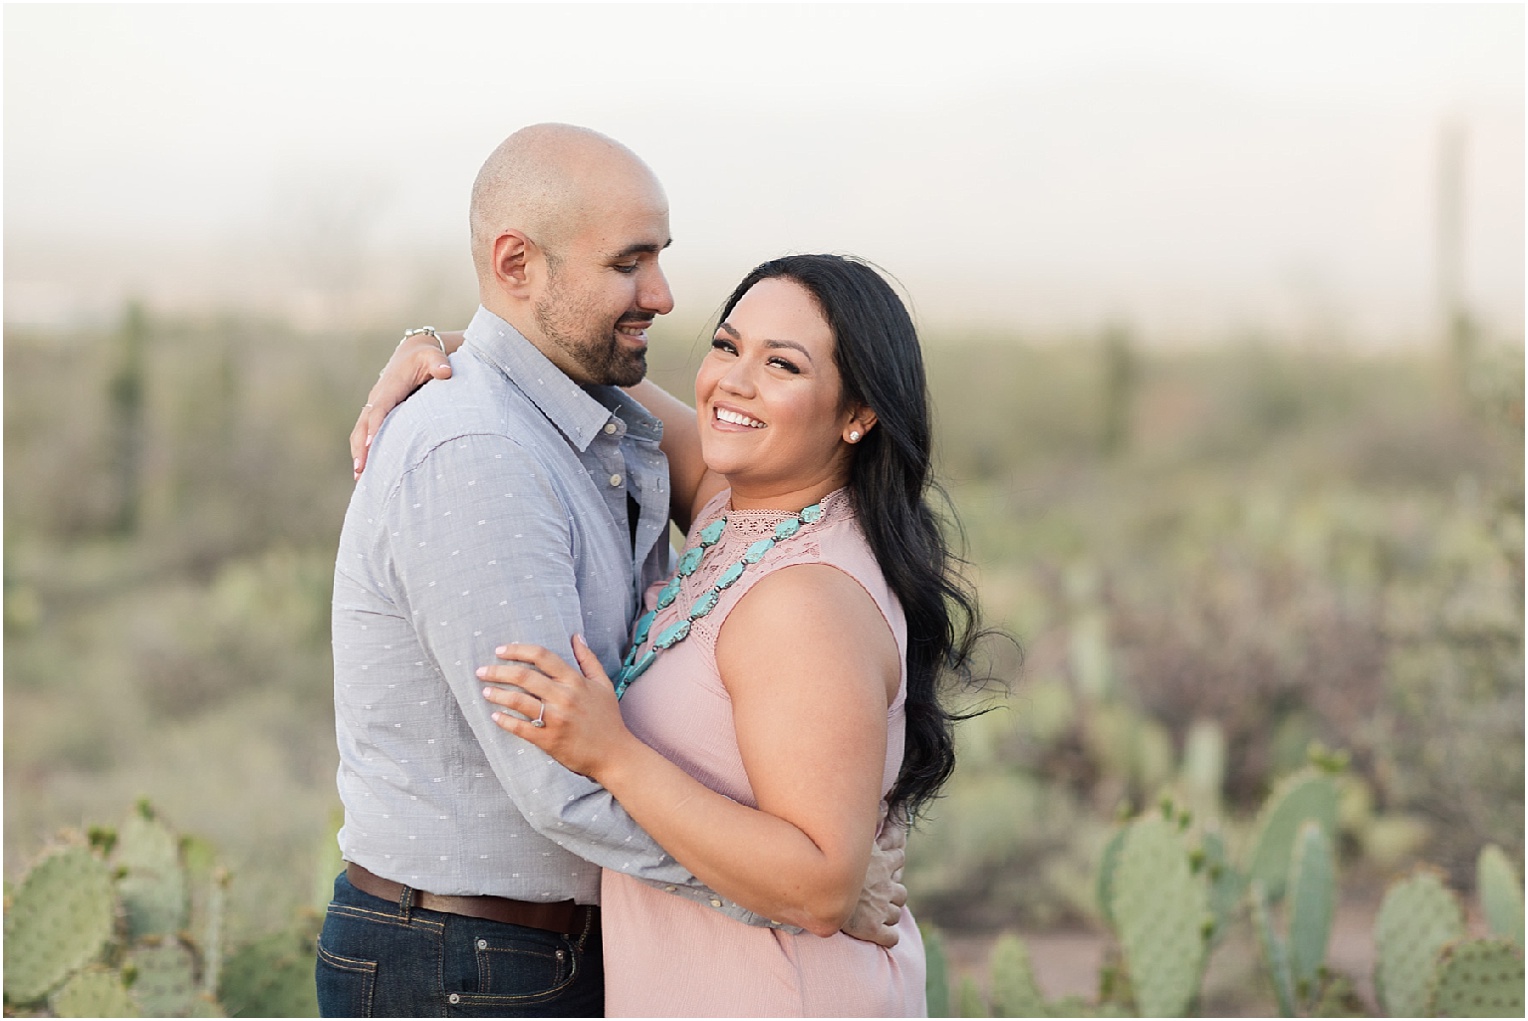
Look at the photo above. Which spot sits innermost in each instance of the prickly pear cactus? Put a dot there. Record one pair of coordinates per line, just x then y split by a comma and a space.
207, 882
153, 884
1160, 908
1501, 895
1227, 885
94, 992
1106, 869
164, 978
1417, 919
1014, 991
1275, 954
273, 976
58, 920
1301, 796
971, 1002
1478, 978
1312, 902
936, 982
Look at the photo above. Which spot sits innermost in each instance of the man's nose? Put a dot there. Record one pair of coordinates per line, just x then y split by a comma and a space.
656, 296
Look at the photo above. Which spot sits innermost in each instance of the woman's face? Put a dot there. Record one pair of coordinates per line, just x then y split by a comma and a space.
770, 400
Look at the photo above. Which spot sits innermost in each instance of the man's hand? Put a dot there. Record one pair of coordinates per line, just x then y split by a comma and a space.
417, 360
880, 902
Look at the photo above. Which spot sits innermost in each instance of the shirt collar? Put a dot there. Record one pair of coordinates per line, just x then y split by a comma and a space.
581, 413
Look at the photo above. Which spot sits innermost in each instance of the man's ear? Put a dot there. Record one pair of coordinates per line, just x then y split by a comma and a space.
513, 253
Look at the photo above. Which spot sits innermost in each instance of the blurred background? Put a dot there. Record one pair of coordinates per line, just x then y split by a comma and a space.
1223, 308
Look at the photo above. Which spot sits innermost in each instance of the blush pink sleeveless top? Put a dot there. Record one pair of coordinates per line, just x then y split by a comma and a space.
667, 956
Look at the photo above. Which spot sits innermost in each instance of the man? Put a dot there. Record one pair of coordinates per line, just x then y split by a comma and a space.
525, 501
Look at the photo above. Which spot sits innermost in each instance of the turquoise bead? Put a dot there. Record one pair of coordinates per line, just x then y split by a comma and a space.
671, 635
757, 550
644, 625
704, 605
731, 575
691, 560
712, 533
811, 514
669, 594
787, 528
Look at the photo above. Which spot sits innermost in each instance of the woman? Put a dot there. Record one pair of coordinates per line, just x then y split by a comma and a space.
785, 681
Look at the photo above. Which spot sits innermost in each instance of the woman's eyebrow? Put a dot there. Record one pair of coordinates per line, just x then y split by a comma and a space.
731, 331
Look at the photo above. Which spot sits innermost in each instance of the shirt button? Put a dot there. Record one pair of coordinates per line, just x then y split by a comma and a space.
615, 480
455, 997
716, 902
610, 428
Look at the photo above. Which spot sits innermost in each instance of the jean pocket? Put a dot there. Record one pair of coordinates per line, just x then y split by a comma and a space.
516, 969
345, 985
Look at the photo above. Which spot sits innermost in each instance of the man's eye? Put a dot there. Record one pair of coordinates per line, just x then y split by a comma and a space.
626, 269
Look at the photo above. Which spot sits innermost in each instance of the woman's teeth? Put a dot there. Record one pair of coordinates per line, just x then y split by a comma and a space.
737, 419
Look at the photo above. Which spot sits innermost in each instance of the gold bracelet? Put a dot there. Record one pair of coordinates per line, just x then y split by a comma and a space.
431, 331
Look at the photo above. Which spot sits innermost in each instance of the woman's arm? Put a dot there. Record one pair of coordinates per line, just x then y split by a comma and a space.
810, 715
417, 360
691, 483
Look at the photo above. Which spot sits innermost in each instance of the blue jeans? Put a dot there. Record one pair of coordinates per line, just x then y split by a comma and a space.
376, 959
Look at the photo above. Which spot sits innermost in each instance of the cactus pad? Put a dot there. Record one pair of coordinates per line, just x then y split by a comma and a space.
1478, 978
1159, 907
59, 919
1106, 867
1227, 885
273, 976
936, 982
1312, 902
93, 993
1501, 895
153, 888
1014, 992
1275, 955
165, 978
1418, 917
971, 1002
1300, 796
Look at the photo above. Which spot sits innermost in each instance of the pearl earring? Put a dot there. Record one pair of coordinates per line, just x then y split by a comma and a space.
854, 437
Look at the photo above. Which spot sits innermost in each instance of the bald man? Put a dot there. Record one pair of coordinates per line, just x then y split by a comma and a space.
525, 500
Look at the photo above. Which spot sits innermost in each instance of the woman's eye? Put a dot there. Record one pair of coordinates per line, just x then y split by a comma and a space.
718, 344
787, 366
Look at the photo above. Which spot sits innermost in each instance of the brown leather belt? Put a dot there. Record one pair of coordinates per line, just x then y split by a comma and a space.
564, 916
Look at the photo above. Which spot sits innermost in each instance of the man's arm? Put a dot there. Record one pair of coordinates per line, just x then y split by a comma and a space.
482, 548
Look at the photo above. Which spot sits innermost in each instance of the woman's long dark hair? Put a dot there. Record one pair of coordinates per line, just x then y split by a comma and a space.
890, 482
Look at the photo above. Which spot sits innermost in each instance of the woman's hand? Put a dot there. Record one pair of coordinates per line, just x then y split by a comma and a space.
417, 360
579, 718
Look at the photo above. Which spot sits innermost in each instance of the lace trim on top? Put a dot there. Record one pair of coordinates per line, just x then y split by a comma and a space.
757, 524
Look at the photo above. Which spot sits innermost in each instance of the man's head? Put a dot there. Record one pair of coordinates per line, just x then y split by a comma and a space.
567, 226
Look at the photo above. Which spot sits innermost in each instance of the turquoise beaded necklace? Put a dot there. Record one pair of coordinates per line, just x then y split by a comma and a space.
635, 666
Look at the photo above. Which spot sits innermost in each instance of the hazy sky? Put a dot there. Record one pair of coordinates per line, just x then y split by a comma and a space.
1196, 170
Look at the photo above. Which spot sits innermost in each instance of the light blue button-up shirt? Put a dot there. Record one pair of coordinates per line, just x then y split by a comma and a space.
493, 509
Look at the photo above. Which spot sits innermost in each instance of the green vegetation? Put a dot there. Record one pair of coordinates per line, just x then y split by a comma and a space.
1156, 886
1212, 560
129, 923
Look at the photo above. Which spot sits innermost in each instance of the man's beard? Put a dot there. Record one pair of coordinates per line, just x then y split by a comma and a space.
570, 324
